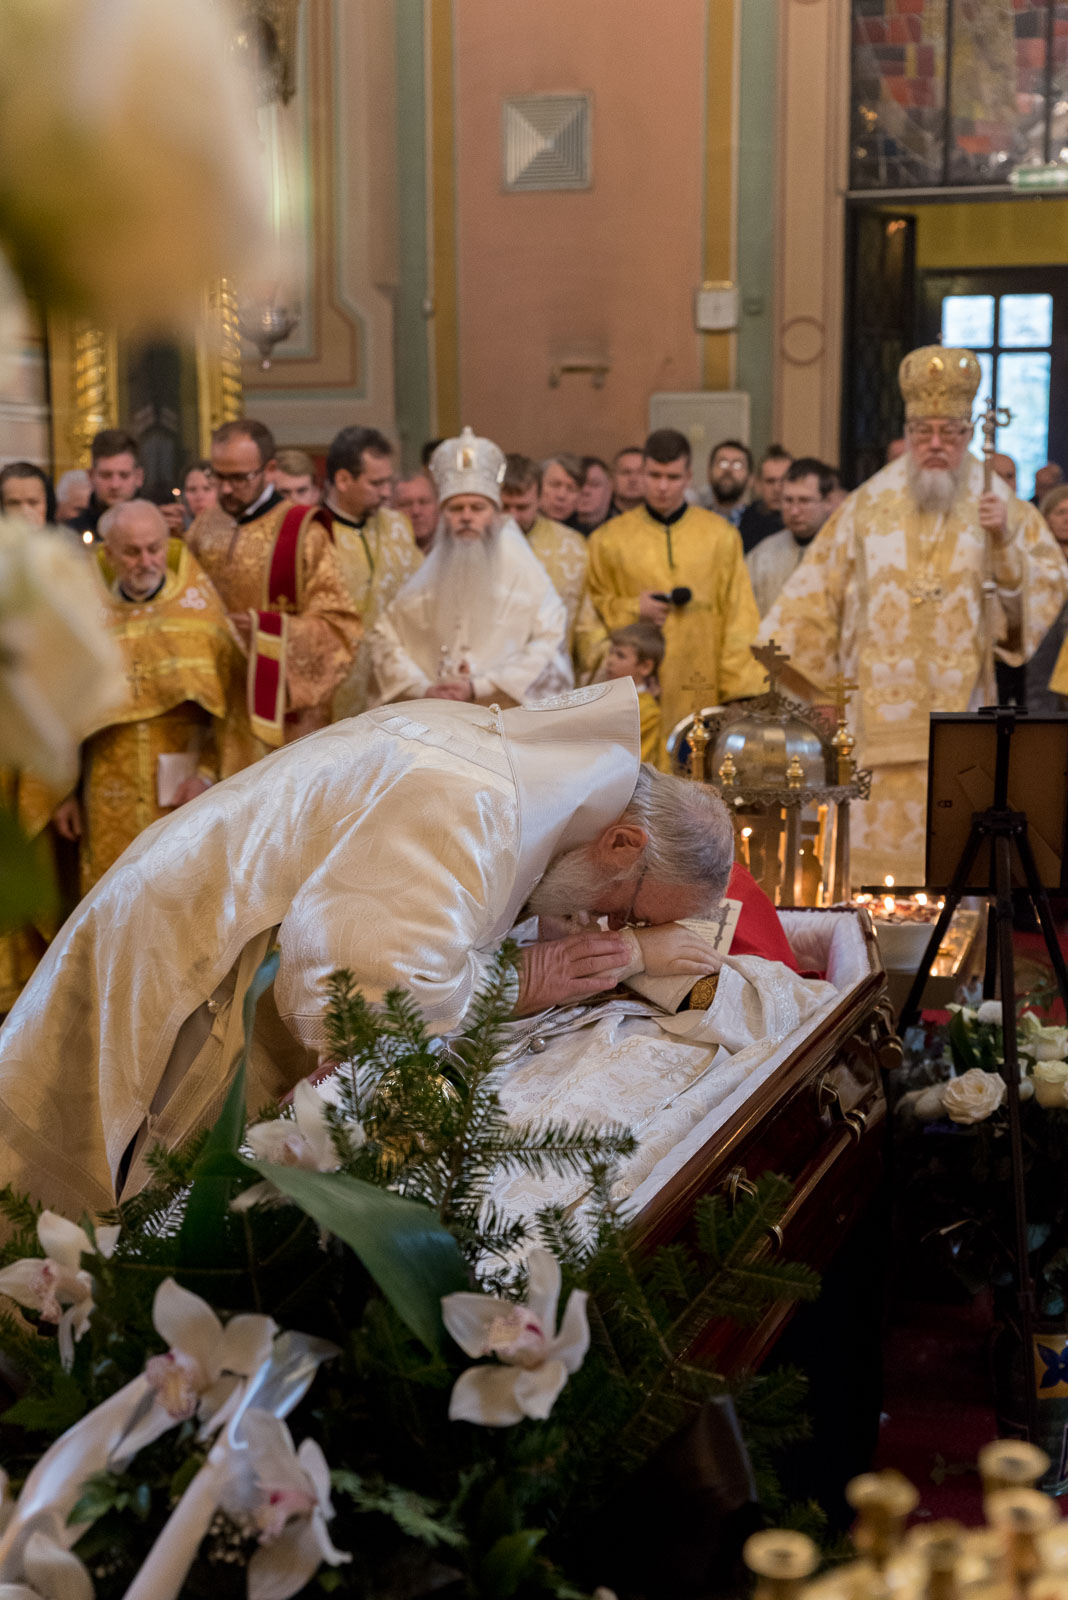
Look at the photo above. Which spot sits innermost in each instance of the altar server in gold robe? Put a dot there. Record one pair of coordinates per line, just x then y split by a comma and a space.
889, 594
160, 750
274, 566
376, 549
667, 548
564, 555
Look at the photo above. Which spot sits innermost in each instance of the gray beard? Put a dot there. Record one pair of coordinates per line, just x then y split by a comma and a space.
936, 488
571, 886
464, 593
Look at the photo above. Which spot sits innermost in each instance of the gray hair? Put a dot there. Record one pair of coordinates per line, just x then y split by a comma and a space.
691, 840
76, 478
109, 522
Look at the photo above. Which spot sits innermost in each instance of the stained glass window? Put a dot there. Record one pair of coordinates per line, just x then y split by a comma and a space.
991, 76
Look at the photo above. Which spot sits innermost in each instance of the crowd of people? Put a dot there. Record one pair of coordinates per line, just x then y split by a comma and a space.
260, 598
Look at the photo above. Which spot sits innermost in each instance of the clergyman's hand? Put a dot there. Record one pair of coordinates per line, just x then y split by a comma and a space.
558, 972
453, 689
993, 515
671, 951
242, 625
650, 609
67, 818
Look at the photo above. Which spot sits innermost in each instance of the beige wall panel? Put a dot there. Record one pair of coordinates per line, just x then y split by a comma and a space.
813, 111
604, 274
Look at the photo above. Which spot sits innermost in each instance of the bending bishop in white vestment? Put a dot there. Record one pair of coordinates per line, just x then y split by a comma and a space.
480, 620
402, 845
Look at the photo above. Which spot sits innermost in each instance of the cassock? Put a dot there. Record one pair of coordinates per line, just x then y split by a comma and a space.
277, 561
891, 597
707, 640
564, 554
377, 557
182, 665
401, 844
770, 564
511, 638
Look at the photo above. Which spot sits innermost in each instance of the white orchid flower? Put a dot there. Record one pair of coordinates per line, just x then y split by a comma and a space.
304, 1140
44, 1569
285, 1494
203, 1372
536, 1359
1041, 1041
57, 1287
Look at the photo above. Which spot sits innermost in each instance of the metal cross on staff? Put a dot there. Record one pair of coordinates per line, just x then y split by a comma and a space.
772, 659
700, 733
993, 417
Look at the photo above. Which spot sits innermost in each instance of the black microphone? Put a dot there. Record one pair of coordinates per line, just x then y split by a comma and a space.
678, 597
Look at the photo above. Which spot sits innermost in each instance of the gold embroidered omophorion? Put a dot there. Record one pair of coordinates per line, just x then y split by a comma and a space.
321, 628
182, 666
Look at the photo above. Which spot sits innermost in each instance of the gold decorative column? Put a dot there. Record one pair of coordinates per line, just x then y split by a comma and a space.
220, 397
83, 376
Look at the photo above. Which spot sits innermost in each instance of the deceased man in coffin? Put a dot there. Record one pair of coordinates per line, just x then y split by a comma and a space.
405, 845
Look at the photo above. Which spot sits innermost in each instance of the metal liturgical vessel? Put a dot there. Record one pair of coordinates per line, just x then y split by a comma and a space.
787, 777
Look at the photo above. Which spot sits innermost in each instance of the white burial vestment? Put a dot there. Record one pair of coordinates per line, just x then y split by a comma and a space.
400, 844
513, 639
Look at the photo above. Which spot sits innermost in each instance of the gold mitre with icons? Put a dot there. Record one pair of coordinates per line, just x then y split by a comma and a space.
468, 465
936, 382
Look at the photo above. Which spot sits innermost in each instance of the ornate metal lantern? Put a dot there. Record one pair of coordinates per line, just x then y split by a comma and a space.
787, 776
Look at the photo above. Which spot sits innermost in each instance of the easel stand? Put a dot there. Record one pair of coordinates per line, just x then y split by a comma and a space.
1006, 832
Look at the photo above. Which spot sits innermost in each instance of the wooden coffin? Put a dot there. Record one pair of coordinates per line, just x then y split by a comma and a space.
818, 1117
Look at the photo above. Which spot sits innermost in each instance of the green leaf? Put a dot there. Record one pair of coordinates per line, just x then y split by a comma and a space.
27, 882
412, 1258
202, 1231
506, 1563
54, 1411
100, 1494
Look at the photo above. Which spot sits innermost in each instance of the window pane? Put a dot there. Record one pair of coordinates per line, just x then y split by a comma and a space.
968, 319
1023, 386
1025, 319
986, 381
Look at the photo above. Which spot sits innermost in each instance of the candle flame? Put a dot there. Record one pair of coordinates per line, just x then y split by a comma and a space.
921, 899
888, 902
889, 880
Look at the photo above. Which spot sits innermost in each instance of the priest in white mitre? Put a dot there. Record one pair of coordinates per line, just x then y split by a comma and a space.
480, 621
403, 845
889, 593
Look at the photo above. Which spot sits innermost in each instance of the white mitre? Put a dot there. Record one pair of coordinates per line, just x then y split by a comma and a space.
468, 465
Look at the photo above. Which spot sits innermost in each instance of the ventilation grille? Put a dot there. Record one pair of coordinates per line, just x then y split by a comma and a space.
546, 141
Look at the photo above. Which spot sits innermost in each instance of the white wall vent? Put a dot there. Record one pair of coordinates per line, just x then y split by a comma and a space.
545, 141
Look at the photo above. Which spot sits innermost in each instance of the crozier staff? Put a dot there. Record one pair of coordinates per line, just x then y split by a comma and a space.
403, 845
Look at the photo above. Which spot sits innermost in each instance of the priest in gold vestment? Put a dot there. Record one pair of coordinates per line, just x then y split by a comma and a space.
161, 749
666, 547
889, 594
564, 555
276, 571
375, 547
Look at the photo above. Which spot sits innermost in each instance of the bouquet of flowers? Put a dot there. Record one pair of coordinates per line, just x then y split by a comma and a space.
312, 1355
953, 1148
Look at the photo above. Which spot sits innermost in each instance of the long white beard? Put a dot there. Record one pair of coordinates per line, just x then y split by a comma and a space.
463, 596
935, 488
571, 886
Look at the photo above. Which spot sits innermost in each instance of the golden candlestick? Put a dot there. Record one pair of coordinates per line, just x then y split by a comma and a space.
700, 733
882, 1501
1020, 1516
1011, 1464
843, 741
781, 1560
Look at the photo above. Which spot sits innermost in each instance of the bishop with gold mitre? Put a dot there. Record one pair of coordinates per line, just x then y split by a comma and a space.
274, 565
889, 593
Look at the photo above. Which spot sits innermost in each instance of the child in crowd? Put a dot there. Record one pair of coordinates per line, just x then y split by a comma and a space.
636, 651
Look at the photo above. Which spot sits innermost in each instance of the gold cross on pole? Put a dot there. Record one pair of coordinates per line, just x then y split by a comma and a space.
841, 688
772, 658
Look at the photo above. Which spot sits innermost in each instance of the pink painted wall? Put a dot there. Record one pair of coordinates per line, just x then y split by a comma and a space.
606, 270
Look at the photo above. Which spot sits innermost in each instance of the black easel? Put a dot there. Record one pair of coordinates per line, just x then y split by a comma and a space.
1007, 831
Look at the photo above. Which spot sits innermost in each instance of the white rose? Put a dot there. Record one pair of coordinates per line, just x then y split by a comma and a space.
1050, 1077
60, 669
990, 1011
130, 172
973, 1096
